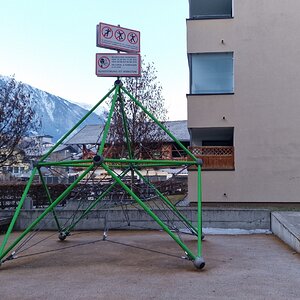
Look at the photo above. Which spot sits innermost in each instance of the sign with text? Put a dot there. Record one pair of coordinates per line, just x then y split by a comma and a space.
118, 65
118, 38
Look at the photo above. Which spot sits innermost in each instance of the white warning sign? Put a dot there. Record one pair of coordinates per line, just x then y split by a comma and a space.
118, 38
118, 65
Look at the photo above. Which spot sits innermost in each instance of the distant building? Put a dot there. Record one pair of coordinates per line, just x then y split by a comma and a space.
32, 149
36, 146
90, 136
243, 104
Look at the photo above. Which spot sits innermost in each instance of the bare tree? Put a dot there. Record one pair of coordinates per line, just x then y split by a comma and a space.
144, 135
17, 119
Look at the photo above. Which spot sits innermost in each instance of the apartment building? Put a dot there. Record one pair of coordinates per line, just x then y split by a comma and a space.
244, 99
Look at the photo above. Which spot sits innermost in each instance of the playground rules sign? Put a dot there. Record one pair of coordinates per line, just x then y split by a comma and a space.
118, 38
117, 64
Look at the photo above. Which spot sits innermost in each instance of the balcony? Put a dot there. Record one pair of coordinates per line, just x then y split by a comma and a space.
215, 157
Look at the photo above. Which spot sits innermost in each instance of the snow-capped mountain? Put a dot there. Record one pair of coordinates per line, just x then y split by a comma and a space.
101, 110
57, 114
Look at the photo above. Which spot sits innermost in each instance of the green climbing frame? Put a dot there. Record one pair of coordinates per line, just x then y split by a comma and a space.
129, 164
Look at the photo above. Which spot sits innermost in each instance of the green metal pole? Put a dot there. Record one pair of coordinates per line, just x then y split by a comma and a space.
127, 138
125, 124
49, 198
168, 203
156, 165
145, 161
17, 212
160, 124
92, 205
123, 165
76, 165
199, 196
76, 125
65, 163
47, 210
107, 125
190, 254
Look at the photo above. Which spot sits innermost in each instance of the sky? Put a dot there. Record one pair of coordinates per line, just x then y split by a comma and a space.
51, 45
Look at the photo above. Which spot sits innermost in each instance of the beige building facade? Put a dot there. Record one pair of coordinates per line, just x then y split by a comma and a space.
244, 99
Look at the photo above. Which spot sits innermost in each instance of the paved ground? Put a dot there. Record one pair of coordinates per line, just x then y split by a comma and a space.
237, 267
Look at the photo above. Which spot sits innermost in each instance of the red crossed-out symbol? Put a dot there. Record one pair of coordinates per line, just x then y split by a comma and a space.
132, 37
107, 32
103, 62
120, 35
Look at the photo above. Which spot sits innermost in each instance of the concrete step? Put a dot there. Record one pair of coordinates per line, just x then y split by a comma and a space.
286, 225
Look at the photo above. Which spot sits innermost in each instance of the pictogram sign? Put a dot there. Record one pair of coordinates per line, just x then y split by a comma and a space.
118, 38
118, 65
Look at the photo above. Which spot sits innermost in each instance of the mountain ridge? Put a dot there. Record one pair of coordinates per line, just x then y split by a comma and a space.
57, 114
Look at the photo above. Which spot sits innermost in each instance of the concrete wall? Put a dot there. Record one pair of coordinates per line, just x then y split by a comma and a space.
264, 109
248, 219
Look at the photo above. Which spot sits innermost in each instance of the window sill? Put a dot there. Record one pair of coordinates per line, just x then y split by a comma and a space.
210, 18
210, 94
193, 169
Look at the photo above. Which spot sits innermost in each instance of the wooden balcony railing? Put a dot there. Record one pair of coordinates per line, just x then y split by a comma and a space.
215, 157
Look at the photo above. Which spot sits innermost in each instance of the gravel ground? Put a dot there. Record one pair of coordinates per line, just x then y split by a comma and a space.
237, 267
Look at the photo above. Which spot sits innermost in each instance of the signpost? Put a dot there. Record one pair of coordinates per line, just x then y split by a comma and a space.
117, 64
118, 38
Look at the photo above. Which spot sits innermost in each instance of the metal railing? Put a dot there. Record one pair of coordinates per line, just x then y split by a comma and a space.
215, 157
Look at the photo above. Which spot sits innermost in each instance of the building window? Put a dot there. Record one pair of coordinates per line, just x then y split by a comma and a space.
211, 73
211, 9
